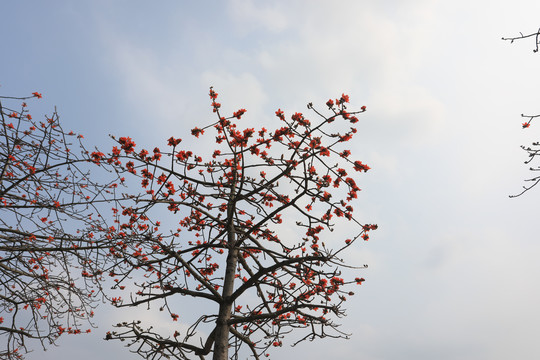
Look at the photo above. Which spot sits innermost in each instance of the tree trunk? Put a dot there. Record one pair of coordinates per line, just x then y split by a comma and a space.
221, 340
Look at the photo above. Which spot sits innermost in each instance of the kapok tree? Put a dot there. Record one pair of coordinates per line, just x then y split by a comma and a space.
532, 150
46, 197
249, 236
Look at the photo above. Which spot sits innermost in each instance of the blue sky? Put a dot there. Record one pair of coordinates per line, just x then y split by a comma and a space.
453, 267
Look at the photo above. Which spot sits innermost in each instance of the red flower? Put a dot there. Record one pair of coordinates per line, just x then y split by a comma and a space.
97, 156
127, 144
216, 106
330, 103
280, 114
324, 151
299, 117
196, 132
525, 125
157, 154
36, 94
173, 142
359, 281
183, 155
238, 114
143, 153
358, 166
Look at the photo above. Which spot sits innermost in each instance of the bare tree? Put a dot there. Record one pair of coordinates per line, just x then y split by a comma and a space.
246, 231
47, 213
532, 150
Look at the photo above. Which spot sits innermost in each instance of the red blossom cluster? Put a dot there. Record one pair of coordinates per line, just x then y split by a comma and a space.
224, 240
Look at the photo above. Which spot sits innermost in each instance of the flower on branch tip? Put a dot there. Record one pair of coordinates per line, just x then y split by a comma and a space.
330, 103
280, 114
358, 166
143, 153
173, 142
369, 227
97, 156
36, 94
326, 196
238, 114
344, 98
299, 117
526, 125
196, 132
157, 154
183, 155
127, 144
363, 108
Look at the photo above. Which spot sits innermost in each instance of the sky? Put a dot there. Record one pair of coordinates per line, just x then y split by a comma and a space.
453, 265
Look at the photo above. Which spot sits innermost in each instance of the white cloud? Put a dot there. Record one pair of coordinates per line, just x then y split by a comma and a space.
247, 17
149, 85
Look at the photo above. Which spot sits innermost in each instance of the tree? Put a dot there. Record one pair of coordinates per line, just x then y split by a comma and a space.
532, 150
46, 218
245, 231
